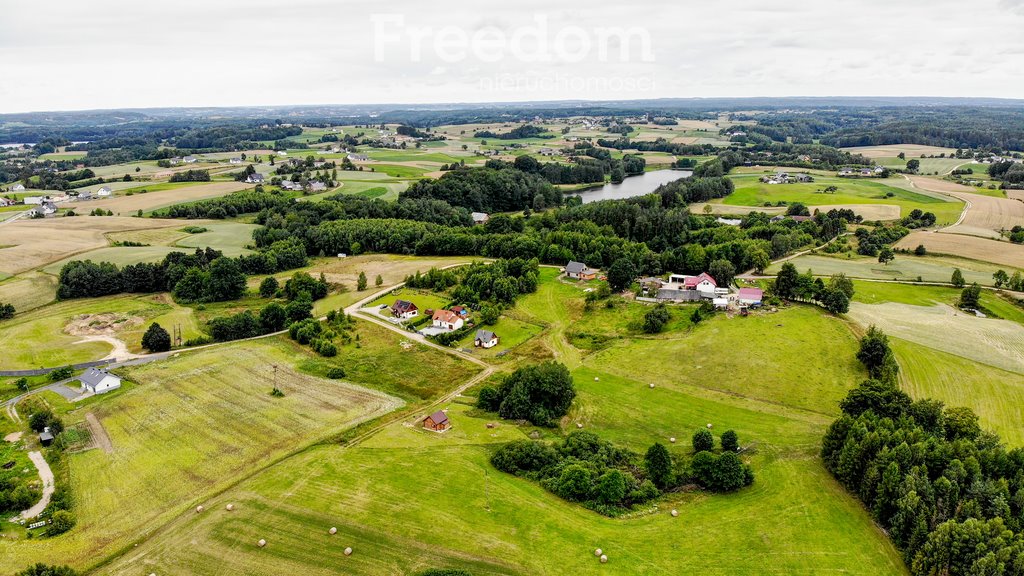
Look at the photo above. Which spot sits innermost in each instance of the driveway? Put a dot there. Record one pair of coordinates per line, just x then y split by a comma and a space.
69, 393
46, 475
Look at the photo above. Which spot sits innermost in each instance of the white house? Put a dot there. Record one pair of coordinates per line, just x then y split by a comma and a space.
18, 188
44, 209
98, 381
447, 320
190, 159
103, 192
485, 339
254, 178
579, 271
33, 199
235, 161
703, 283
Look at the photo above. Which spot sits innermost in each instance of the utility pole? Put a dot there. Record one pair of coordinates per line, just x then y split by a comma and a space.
275, 376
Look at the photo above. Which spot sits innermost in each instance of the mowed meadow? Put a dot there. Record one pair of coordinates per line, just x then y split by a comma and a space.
407, 500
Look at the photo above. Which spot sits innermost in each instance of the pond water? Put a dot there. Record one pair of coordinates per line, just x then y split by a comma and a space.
632, 186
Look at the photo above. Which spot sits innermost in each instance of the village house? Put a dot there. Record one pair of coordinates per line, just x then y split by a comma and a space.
547, 152
98, 381
438, 422
750, 296
480, 217
317, 186
18, 188
290, 185
190, 159
104, 192
579, 271
358, 157
235, 161
33, 199
447, 320
703, 283
404, 309
485, 339
44, 209
254, 178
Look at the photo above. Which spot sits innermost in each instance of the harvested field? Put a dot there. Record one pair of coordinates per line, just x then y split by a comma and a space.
997, 343
911, 150
727, 210
125, 205
29, 290
985, 216
973, 247
36, 243
867, 211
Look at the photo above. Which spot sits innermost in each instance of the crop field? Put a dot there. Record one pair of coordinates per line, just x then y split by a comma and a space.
227, 236
905, 267
892, 150
986, 216
129, 205
191, 426
992, 342
971, 247
28, 290
494, 523
31, 244
995, 395
751, 192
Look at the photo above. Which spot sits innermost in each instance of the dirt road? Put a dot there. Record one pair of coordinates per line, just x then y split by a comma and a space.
46, 475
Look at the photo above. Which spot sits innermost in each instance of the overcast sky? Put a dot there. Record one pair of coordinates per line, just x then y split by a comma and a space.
82, 54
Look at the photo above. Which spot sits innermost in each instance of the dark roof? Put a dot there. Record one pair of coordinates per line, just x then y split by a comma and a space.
574, 267
404, 306
485, 335
439, 417
94, 376
45, 437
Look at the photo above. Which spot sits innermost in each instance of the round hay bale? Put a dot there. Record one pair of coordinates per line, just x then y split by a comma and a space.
333, 530
675, 512
598, 552
199, 509
229, 507
604, 559
709, 424
579, 425
261, 543
596, 378
348, 551
672, 439
651, 385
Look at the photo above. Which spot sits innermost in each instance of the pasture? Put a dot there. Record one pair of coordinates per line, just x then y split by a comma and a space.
750, 192
193, 425
498, 524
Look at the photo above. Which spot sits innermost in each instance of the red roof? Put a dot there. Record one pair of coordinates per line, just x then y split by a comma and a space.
446, 316
439, 417
693, 281
751, 293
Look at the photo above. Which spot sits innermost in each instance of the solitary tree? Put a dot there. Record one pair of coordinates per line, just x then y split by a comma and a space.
958, 278
970, 296
920, 250
621, 274
361, 282
722, 271
156, 339
379, 281
1001, 277
886, 255
269, 287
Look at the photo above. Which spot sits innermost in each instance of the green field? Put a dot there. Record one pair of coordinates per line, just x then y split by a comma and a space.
388, 496
191, 426
750, 192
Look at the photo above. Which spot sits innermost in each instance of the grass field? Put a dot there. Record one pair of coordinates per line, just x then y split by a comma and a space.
192, 425
28, 290
905, 267
997, 396
795, 514
750, 192
1004, 254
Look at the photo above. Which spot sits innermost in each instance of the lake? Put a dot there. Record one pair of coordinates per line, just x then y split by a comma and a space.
632, 186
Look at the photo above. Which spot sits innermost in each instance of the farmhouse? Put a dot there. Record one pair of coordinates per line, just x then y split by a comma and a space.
190, 159
104, 191
255, 178
447, 320
358, 157
17, 188
98, 381
485, 339
579, 271
547, 151
290, 185
703, 283
317, 186
438, 422
404, 309
480, 217
235, 161
44, 209
750, 296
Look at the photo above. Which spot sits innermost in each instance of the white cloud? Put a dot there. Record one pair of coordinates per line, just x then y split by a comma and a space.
69, 54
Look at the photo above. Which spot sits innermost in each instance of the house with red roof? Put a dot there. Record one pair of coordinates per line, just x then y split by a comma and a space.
438, 422
750, 296
703, 283
447, 320
404, 309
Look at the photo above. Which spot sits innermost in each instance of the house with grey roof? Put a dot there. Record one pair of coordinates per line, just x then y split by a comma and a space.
480, 217
579, 271
98, 381
485, 339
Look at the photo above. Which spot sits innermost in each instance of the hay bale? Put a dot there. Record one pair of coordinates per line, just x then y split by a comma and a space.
598, 552
579, 425
333, 530
348, 551
675, 512
596, 378
651, 385
709, 425
672, 440
604, 559
229, 507
261, 543
199, 509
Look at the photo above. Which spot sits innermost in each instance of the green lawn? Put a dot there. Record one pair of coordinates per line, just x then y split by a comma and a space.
511, 333
423, 299
750, 192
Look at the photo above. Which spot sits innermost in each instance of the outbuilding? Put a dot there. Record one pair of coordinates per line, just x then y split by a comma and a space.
750, 296
438, 422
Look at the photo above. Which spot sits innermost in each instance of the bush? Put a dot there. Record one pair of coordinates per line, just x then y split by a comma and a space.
336, 373
41, 569
60, 522
63, 373
703, 440
730, 441
156, 339
269, 287
656, 318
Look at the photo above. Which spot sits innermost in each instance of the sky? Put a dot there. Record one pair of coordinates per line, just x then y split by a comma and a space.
78, 54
